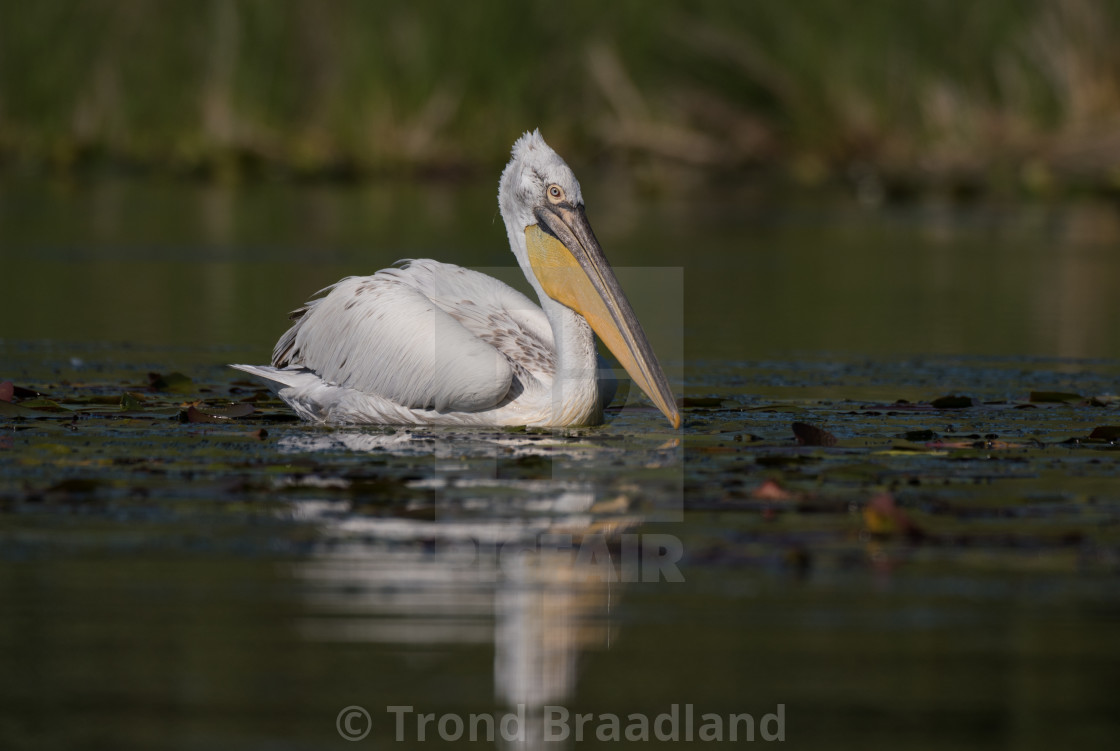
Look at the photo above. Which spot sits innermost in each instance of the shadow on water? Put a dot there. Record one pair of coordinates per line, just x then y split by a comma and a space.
893, 503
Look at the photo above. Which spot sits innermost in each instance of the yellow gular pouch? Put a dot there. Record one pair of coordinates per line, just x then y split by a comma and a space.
564, 280
560, 274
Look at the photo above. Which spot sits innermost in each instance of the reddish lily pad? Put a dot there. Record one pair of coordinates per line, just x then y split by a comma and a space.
811, 435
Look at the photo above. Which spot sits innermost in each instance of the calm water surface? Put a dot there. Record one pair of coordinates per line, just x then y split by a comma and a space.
201, 585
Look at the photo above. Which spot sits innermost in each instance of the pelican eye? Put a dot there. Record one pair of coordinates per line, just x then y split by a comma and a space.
555, 193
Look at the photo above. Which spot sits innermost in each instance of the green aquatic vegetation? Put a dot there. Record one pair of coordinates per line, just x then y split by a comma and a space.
871, 96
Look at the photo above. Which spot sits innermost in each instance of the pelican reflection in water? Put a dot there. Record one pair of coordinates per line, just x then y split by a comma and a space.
430, 343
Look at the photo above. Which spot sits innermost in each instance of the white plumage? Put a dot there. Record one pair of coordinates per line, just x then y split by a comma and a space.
430, 343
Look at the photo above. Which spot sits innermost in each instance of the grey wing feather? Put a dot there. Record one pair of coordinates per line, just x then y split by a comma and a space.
491, 310
379, 336
426, 336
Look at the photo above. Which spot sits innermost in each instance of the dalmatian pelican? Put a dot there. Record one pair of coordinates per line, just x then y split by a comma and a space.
430, 343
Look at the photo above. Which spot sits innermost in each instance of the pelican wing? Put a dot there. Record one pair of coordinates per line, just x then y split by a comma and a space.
425, 336
489, 309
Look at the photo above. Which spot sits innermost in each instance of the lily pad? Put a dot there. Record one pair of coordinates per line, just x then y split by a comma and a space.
1105, 433
204, 413
46, 405
8, 410
811, 435
131, 401
701, 401
1052, 397
952, 402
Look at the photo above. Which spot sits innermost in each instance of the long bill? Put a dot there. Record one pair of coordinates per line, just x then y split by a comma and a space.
572, 270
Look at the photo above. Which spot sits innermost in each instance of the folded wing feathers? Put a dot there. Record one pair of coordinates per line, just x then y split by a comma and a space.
414, 335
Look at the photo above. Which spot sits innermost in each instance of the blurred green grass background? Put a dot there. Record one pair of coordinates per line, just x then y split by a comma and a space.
1005, 95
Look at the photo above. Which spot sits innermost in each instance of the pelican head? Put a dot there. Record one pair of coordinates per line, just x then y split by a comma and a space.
542, 206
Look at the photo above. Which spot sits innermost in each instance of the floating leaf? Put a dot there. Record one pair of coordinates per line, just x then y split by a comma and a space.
10, 410
811, 435
192, 414
46, 405
175, 382
204, 413
701, 401
776, 408
131, 401
952, 402
1059, 397
278, 417
919, 436
1105, 433
9, 391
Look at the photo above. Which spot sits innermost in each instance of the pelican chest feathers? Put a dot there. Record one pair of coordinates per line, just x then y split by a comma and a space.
429, 343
